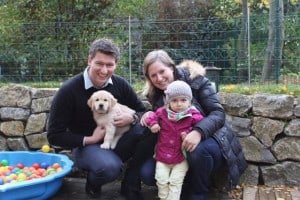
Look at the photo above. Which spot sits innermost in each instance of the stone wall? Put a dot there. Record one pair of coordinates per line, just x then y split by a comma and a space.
268, 127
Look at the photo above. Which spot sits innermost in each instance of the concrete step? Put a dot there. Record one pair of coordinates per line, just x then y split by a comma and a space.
74, 188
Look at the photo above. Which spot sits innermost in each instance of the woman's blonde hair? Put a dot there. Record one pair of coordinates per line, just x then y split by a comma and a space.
153, 56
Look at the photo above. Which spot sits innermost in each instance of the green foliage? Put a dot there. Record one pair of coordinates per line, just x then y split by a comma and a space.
50, 39
292, 43
227, 9
42, 49
139, 9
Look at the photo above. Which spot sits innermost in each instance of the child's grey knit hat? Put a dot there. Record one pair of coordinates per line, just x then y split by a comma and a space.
178, 88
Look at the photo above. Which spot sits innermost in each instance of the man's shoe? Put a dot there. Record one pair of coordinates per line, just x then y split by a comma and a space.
92, 191
132, 195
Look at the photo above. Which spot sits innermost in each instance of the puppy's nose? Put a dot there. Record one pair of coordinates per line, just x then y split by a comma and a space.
100, 106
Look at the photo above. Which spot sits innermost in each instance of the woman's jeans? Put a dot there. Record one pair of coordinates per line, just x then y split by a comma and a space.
104, 166
203, 161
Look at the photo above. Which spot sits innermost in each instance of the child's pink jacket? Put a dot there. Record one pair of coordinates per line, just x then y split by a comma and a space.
168, 148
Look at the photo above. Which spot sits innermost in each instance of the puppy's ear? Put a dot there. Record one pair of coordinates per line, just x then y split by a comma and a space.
113, 101
90, 102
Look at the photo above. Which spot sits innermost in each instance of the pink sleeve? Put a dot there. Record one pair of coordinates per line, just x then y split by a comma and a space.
197, 117
152, 119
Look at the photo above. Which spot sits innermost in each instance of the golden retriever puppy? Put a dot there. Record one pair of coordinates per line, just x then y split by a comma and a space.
105, 107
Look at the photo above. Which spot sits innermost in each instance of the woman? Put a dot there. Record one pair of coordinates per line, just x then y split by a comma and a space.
211, 145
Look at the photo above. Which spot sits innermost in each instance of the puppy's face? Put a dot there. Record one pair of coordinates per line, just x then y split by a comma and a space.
101, 102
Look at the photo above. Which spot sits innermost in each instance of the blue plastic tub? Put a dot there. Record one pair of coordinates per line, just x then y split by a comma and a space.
35, 189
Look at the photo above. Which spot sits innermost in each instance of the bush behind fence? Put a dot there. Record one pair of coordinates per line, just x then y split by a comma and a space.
56, 51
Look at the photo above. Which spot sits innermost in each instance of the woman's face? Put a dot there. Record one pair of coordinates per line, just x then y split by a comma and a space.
160, 75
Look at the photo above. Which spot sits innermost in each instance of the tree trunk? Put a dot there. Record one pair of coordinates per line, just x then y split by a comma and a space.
273, 57
242, 63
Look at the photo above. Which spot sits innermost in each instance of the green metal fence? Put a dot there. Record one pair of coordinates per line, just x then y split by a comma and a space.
57, 51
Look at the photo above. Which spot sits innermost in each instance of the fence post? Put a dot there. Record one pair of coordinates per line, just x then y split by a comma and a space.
213, 74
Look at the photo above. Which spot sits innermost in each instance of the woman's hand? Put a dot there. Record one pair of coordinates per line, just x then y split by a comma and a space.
191, 140
144, 117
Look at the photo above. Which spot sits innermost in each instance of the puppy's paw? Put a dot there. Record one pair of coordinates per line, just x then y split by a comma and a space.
105, 145
113, 145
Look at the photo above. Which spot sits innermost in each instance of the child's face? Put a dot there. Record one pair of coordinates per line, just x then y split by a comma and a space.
179, 104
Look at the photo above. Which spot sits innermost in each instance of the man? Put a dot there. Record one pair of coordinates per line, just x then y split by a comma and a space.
71, 124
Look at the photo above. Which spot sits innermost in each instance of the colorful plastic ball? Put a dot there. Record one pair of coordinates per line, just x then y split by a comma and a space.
59, 169
50, 171
4, 162
45, 148
10, 174
36, 165
21, 177
20, 165
44, 165
56, 165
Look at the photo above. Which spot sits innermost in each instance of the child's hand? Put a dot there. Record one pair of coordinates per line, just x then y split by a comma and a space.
144, 117
183, 135
155, 128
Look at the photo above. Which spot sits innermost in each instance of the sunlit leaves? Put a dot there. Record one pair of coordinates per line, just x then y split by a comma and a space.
293, 2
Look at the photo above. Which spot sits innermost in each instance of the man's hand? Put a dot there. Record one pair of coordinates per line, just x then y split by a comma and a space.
191, 140
123, 119
97, 136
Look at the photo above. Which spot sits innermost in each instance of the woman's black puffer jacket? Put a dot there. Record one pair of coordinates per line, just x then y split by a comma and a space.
214, 125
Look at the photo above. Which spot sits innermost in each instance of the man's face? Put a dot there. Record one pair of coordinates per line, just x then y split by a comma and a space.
102, 67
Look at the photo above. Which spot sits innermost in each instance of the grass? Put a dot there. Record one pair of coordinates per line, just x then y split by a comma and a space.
49, 84
289, 89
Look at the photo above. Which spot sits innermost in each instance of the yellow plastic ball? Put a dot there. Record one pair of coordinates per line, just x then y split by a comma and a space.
45, 148
21, 177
